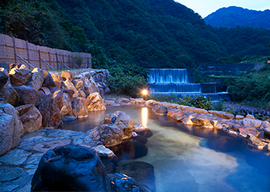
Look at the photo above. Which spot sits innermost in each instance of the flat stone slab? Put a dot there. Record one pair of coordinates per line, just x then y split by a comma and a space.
45, 146
15, 157
10, 173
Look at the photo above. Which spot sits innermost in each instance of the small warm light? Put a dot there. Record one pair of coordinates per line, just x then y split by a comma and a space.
144, 92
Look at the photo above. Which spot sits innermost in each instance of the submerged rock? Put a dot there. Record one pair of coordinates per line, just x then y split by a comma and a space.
142, 172
122, 183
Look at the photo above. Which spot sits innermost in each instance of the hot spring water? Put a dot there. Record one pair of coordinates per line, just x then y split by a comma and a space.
192, 159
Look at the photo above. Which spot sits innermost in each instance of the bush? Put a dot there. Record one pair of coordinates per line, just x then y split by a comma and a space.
127, 85
193, 101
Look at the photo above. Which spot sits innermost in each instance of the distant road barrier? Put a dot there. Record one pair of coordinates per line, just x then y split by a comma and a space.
13, 50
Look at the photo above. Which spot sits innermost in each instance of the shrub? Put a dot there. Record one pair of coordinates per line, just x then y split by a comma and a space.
193, 101
127, 85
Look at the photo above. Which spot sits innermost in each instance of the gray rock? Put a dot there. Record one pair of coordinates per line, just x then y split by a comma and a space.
9, 95
30, 117
107, 134
121, 120
19, 76
67, 107
96, 102
50, 110
11, 128
28, 95
162, 110
78, 108
3, 77
36, 79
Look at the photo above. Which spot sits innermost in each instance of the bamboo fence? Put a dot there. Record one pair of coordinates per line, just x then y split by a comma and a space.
13, 50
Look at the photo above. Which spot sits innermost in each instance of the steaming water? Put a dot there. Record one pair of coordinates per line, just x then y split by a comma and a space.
193, 159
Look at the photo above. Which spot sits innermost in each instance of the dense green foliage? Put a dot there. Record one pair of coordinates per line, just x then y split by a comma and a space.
252, 88
244, 41
193, 101
126, 35
147, 33
238, 16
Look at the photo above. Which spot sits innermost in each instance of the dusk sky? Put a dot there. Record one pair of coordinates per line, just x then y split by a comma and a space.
205, 7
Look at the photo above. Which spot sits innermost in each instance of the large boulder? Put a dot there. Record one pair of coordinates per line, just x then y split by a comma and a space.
67, 75
19, 76
67, 106
3, 77
49, 82
9, 95
70, 168
107, 134
96, 102
79, 84
90, 85
57, 80
69, 85
121, 183
28, 95
36, 79
11, 128
30, 117
50, 109
121, 120
78, 108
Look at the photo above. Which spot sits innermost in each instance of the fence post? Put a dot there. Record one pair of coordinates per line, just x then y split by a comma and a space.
50, 58
39, 63
69, 61
63, 62
57, 61
27, 49
14, 47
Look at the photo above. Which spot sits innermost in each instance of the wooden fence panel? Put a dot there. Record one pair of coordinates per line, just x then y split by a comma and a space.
14, 50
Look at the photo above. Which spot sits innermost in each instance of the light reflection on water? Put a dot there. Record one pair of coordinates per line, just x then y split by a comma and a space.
144, 116
193, 159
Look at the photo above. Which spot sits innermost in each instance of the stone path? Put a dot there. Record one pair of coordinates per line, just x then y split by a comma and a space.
18, 166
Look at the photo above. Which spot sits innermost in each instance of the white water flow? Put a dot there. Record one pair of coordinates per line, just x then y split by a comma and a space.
176, 81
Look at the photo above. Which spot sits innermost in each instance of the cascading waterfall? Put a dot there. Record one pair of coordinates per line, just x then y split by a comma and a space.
176, 81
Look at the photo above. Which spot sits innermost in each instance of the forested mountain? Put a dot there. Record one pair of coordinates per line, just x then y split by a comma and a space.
238, 16
147, 33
